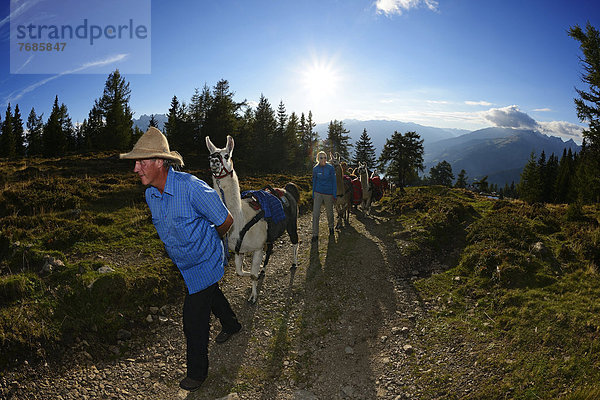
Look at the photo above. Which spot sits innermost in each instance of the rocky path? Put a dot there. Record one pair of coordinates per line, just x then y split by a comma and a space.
343, 325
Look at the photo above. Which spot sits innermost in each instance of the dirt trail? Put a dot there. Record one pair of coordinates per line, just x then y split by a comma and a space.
342, 326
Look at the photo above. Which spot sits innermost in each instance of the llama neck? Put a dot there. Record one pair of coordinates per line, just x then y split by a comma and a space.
229, 190
339, 180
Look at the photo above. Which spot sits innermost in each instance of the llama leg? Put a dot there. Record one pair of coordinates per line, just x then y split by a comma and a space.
257, 258
239, 265
295, 259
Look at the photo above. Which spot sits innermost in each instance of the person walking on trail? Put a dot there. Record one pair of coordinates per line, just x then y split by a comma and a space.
324, 192
191, 221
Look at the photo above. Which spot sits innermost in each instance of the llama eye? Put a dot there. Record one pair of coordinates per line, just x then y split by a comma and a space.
226, 157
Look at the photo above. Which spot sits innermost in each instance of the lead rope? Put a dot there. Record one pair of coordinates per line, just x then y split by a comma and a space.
226, 237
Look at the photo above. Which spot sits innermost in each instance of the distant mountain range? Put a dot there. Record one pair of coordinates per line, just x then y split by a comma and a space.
499, 153
144, 121
381, 130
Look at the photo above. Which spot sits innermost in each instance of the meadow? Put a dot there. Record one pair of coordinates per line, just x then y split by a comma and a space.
79, 258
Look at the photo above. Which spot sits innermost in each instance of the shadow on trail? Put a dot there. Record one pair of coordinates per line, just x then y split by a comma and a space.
347, 297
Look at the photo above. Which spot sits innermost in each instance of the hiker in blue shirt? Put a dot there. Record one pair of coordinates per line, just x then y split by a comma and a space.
324, 192
190, 219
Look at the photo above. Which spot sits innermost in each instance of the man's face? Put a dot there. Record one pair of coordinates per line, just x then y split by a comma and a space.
148, 170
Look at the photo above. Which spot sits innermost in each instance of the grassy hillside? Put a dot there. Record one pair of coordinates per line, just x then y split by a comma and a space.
61, 222
520, 280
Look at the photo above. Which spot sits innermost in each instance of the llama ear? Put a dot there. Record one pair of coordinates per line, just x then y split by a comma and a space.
210, 146
230, 144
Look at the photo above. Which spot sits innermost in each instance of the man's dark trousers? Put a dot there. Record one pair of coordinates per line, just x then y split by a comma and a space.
196, 326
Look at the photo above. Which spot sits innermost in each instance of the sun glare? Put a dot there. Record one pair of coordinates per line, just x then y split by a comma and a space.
320, 80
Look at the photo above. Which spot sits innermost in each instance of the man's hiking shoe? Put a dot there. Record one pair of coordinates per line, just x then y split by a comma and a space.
191, 384
224, 336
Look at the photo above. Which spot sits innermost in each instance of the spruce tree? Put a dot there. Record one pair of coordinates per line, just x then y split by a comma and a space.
588, 103
263, 132
8, 142
118, 117
35, 127
402, 157
153, 122
530, 186
364, 151
221, 118
338, 140
54, 139
18, 132
441, 174
461, 180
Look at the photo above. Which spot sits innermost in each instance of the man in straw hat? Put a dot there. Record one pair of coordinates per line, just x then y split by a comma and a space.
190, 219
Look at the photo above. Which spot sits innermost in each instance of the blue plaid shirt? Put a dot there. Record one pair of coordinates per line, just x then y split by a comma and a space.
185, 216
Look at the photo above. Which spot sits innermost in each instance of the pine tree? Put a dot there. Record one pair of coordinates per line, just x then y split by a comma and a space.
588, 103
292, 130
441, 174
198, 109
564, 187
117, 115
530, 186
364, 151
8, 142
263, 131
35, 128
461, 180
54, 139
18, 132
402, 157
221, 118
93, 129
153, 122
280, 151
338, 140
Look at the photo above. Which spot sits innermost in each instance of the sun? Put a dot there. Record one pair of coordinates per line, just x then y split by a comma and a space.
320, 79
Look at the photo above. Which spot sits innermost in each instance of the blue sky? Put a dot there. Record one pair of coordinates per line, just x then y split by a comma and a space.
448, 63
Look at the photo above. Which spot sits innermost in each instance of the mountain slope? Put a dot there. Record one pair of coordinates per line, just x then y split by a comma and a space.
499, 153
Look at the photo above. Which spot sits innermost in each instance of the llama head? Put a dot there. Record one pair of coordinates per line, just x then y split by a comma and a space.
221, 162
334, 159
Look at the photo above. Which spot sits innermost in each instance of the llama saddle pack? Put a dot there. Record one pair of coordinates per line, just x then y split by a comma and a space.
271, 205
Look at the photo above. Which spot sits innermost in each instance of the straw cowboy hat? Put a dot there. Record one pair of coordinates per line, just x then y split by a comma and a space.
152, 144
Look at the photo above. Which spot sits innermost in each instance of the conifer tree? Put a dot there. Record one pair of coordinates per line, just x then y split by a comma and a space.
54, 139
530, 186
18, 132
114, 104
441, 174
35, 127
221, 118
198, 109
93, 129
292, 130
402, 157
364, 151
338, 140
8, 142
461, 180
280, 151
564, 187
153, 122
263, 132
588, 103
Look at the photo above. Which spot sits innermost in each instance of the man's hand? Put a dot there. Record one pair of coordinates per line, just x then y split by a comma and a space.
224, 227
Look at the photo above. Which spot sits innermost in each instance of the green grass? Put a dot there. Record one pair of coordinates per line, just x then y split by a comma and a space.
87, 211
525, 283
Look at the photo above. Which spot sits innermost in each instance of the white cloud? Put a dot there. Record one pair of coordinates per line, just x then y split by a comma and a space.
542, 110
478, 103
510, 117
563, 129
391, 7
438, 102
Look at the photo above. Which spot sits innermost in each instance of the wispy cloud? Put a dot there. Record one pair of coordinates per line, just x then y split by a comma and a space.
14, 96
437, 102
478, 103
542, 110
391, 7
